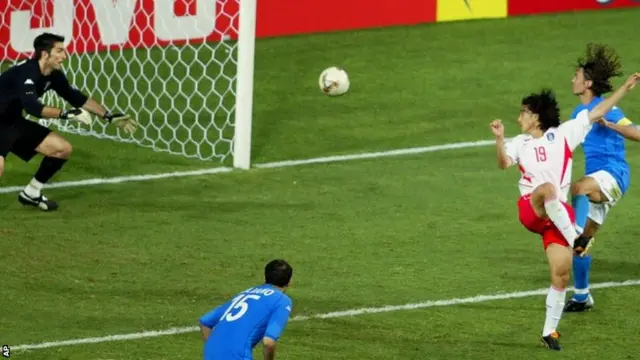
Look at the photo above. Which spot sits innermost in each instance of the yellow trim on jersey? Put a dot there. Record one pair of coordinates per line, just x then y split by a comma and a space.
624, 121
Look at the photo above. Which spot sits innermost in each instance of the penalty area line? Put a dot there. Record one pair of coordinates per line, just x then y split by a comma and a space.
329, 315
269, 165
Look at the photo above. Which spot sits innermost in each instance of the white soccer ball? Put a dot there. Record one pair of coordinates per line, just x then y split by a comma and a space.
334, 81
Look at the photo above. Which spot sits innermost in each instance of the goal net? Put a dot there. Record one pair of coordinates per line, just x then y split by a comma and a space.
171, 63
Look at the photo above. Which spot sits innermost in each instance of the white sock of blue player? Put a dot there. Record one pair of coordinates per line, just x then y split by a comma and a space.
555, 305
560, 218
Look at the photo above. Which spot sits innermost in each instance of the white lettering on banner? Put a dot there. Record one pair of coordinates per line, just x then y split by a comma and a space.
168, 26
114, 20
22, 35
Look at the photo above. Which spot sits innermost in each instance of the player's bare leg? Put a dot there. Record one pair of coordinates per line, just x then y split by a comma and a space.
1, 165
56, 151
560, 259
584, 191
55, 146
591, 229
546, 204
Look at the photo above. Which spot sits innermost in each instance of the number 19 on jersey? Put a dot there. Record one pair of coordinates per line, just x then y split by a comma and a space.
541, 154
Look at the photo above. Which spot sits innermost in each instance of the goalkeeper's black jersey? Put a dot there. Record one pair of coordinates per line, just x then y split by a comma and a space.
23, 84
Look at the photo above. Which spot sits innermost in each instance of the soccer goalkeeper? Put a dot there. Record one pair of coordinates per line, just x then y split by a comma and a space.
20, 88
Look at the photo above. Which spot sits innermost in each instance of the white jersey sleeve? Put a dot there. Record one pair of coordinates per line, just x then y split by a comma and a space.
512, 148
576, 130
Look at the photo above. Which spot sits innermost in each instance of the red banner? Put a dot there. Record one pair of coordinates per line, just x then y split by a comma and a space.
99, 25
527, 7
289, 17
104, 24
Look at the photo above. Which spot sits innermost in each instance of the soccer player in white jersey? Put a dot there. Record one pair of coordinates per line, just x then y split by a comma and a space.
543, 153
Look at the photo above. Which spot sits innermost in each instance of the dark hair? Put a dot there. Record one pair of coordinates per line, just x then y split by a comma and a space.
544, 104
600, 64
278, 272
45, 42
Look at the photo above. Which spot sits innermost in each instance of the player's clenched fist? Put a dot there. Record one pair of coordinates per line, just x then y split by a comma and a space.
632, 81
497, 128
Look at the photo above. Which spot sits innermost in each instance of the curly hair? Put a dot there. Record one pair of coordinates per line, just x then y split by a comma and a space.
545, 105
600, 64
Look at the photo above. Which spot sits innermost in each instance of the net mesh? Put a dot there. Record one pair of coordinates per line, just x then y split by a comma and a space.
169, 63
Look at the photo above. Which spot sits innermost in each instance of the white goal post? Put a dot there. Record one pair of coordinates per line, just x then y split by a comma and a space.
184, 68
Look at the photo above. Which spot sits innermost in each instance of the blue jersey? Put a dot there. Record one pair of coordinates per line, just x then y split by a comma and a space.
604, 148
241, 323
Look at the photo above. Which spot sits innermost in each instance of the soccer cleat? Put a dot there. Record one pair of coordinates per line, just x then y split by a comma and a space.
574, 305
582, 244
40, 202
551, 341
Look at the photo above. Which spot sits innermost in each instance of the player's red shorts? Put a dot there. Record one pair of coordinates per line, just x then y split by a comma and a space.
546, 228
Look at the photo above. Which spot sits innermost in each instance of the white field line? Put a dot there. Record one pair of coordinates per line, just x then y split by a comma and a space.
336, 314
217, 170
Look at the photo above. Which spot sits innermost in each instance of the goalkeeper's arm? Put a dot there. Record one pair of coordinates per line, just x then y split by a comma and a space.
76, 98
34, 107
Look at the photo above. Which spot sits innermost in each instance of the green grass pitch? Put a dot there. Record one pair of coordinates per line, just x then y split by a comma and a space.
132, 257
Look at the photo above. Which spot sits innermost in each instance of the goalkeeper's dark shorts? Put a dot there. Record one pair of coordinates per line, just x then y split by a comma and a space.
21, 137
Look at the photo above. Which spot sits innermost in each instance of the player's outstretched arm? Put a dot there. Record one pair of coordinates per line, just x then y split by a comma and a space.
123, 121
497, 128
631, 131
603, 108
78, 99
95, 107
35, 108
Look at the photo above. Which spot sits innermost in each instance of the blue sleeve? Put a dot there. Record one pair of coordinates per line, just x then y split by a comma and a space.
575, 112
278, 320
614, 115
211, 318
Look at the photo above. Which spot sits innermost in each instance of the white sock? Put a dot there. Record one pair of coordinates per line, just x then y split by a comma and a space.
560, 218
555, 305
33, 188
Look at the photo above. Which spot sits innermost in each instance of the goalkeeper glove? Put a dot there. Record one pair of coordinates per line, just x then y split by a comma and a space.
77, 114
123, 121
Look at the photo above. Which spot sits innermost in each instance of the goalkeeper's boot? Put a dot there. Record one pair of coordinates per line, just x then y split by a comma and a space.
574, 305
551, 341
40, 202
